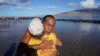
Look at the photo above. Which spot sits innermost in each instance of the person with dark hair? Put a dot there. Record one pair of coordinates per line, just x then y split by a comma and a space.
45, 17
46, 46
49, 25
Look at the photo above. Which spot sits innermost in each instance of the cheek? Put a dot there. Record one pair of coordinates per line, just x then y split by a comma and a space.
46, 28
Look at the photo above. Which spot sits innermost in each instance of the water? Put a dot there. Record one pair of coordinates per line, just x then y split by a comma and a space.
79, 39
91, 17
11, 33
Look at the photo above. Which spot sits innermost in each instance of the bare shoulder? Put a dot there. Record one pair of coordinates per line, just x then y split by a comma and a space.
26, 37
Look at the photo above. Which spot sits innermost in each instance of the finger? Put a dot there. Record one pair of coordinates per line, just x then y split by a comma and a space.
45, 38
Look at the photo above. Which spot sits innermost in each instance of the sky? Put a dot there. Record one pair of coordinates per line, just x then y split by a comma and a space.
43, 7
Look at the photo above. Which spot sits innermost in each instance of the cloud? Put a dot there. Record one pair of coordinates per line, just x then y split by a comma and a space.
8, 1
15, 4
88, 4
84, 4
12, 2
24, 1
51, 7
30, 8
1, 0
33, 8
71, 4
19, 7
7, 4
22, 8
47, 7
22, 4
98, 4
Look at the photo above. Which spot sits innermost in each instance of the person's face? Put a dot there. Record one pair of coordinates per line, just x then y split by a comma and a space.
49, 25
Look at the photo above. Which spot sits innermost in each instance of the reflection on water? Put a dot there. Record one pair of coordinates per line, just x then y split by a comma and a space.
79, 39
4, 26
85, 26
89, 27
11, 32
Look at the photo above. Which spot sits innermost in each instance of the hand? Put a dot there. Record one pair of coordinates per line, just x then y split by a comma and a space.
47, 43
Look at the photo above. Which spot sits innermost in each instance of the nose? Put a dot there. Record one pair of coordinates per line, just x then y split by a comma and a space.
50, 28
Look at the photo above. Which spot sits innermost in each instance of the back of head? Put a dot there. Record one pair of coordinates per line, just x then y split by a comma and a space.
36, 27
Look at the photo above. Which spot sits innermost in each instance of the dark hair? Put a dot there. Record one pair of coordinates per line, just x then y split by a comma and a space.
44, 18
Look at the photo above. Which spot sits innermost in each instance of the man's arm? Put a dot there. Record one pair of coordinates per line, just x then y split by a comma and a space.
46, 44
26, 37
58, 42
23, 45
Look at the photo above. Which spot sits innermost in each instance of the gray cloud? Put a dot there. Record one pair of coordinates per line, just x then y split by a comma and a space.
12, 2
7, 4
24, 1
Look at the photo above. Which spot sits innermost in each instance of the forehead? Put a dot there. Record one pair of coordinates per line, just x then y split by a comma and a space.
50, 20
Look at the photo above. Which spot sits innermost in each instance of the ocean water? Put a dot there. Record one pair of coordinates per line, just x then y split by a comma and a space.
79, 39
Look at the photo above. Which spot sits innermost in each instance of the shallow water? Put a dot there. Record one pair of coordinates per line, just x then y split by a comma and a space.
79, 39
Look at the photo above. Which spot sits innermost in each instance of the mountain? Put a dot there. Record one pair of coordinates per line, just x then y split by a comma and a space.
80, 14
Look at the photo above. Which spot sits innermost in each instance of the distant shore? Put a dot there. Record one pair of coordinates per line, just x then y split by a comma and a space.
80, 20
68, 20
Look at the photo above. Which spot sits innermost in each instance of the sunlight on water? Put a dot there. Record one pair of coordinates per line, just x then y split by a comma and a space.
86, 26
